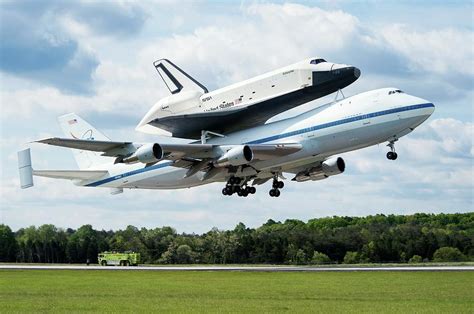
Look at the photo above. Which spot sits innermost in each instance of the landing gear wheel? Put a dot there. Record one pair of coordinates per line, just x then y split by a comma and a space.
274, 193
392, 155
237, 186
278, 184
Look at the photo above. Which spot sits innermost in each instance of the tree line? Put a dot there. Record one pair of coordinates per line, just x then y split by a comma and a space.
371, 239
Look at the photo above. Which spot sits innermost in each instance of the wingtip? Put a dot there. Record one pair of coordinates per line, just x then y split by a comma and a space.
43, 140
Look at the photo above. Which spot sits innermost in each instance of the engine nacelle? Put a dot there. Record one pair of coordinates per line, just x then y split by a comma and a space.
236, 156
333, 166
148, 153
329, 167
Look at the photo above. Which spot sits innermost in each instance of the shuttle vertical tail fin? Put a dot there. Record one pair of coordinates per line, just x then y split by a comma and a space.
176, 79
74, 126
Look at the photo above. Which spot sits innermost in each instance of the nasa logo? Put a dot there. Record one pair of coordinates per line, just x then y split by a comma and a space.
88, 135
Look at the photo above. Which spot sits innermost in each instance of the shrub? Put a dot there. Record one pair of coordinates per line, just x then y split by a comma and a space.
300, 258
448, 254
320, 258
184, 254
415, 259
403, 257
351, 258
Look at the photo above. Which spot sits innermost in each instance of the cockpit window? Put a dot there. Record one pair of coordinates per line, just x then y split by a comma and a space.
316, 61
395, 91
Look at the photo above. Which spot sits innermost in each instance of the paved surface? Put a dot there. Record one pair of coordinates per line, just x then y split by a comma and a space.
238, 268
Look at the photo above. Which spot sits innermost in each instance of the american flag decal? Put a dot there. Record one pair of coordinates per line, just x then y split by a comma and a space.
72, 121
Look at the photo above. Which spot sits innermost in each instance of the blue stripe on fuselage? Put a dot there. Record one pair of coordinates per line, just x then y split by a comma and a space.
276, 137
130, 173
339, 122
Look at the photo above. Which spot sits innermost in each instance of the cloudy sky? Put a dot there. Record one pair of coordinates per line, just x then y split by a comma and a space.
95, 59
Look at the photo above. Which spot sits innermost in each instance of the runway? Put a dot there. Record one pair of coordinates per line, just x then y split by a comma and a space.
237, 268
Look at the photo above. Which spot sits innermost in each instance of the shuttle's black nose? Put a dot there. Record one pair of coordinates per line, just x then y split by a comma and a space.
336, 78
348, 73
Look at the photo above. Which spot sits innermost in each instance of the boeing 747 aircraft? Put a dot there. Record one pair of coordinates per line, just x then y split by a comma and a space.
305, 146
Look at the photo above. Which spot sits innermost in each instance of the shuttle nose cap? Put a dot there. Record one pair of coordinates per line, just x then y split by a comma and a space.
356, 72
346, 70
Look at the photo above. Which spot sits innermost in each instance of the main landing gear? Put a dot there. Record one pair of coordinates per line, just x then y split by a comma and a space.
275, 192
235, 185
240, 187
392, 155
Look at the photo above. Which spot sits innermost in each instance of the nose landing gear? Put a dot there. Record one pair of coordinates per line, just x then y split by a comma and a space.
392, 155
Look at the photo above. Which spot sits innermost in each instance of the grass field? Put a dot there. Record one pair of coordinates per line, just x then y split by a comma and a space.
145, 291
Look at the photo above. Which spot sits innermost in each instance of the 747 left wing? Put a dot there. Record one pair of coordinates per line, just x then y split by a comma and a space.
184, 155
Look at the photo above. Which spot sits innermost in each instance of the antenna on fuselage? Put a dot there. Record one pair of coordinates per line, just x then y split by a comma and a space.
337, 94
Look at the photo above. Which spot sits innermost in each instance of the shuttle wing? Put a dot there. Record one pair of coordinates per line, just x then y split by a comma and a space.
227, 121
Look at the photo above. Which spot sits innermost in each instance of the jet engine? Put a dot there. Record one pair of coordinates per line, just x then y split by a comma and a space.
148, 153
236, 156
329, 167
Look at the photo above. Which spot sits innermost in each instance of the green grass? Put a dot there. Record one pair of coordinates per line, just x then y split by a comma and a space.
158, 291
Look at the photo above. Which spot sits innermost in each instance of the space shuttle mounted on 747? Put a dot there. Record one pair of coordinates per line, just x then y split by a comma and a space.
191, 108
228, 139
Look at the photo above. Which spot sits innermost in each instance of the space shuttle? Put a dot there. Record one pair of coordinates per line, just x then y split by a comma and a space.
192, 111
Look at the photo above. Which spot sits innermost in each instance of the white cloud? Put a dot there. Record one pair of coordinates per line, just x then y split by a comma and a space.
455, 136
435, 51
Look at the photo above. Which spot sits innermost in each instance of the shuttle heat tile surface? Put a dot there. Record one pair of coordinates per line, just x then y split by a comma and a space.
190, 108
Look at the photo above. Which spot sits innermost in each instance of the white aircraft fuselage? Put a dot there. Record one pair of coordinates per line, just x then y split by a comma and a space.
366, 119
